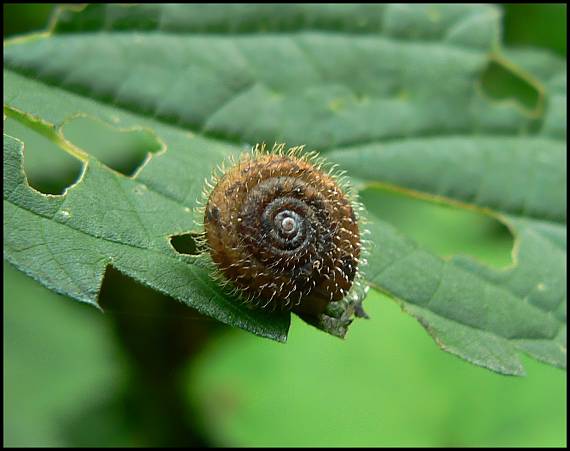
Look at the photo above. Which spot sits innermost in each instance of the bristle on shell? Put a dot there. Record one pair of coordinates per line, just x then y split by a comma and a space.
282, 229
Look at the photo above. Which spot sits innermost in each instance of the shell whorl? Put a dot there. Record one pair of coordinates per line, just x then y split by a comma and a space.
283, 232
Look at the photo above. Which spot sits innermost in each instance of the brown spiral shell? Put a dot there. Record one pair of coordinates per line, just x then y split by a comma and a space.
282, 232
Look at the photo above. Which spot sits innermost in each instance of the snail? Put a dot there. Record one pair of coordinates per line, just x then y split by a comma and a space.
282, 231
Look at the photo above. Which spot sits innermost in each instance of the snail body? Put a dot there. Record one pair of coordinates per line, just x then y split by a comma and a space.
282, 232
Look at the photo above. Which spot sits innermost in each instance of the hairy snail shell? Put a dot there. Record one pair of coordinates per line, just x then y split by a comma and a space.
282, 232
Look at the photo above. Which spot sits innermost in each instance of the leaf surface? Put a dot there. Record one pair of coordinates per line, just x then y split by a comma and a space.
392, 93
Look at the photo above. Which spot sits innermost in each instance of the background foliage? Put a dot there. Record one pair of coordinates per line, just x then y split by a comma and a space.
235, 387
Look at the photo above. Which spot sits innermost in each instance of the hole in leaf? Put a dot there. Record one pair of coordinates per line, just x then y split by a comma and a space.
501, 83
122, 150
445, 231
185, 244
48, 168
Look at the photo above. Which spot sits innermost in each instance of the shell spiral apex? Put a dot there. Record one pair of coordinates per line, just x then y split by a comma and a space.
282, 231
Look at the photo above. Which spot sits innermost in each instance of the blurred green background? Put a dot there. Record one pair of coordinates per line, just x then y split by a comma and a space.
167, 376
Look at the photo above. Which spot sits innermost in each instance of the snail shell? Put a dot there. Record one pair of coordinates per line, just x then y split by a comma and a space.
282, 232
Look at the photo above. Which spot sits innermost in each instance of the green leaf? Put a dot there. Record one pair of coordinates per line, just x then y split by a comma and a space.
66, 242
393, 93
480, 314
